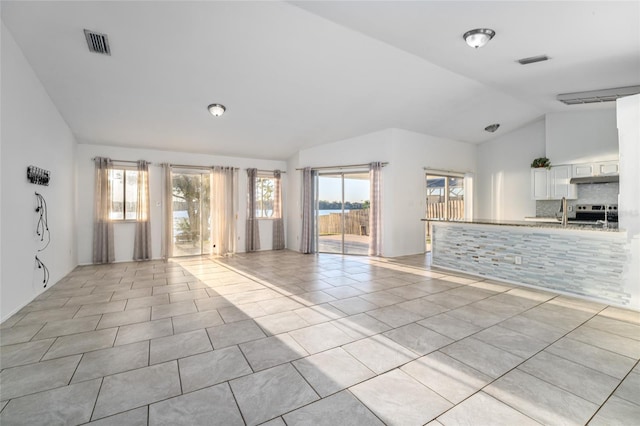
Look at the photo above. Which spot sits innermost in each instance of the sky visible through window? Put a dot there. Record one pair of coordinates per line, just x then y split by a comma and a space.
355, 189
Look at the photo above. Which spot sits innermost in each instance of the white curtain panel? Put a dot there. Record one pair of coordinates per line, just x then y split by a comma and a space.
224, 208
375, 209
142, 241
468, 196
278, 222
167, 212
308, 197
253, 229
103, 248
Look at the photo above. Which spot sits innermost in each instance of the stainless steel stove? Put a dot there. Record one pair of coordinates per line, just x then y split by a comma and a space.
592, 213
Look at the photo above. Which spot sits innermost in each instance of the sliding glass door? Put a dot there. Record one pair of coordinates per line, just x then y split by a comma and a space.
445, 200
191, 233
342, 214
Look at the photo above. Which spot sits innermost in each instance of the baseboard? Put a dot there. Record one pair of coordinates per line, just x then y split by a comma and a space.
49, 287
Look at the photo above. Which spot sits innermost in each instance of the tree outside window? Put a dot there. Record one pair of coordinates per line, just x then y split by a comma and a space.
265, 187
124, 194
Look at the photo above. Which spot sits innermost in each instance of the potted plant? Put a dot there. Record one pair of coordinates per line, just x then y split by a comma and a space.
541, 162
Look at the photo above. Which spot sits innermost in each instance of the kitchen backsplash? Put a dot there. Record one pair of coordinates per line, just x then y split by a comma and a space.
592, 193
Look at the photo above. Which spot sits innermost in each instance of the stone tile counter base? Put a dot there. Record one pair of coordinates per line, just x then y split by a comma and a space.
584, 263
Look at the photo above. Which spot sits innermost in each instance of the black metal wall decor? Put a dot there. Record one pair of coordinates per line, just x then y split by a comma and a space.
38, 176
42, 231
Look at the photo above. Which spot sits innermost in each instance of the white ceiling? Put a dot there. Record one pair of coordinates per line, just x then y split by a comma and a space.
294, 75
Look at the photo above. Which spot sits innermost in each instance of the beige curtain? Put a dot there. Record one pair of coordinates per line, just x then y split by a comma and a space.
278, 222
375, 209
103, 249
224, 208
142, 241
167, 212
253, 230
307, 242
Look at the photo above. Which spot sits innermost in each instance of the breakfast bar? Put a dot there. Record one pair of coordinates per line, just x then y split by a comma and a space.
587, 261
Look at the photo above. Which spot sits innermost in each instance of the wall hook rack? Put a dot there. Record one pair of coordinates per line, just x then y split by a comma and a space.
38, 176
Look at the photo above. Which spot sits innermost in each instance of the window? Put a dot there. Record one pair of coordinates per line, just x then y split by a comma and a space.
445, 197
124, 194
265, 187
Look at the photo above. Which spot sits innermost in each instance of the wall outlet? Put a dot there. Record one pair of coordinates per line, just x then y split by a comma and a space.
569, 208
518, 260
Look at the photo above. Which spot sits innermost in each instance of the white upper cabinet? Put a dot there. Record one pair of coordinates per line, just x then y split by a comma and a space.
583, 170
559, 183
607, 168
553, 184
600, 168
540, 184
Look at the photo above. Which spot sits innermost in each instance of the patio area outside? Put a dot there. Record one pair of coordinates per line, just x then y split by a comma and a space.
353, 244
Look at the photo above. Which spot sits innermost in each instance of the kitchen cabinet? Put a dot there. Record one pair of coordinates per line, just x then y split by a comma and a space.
559, 184
583, 170
553, 183
540, 189
607, 168
599, 168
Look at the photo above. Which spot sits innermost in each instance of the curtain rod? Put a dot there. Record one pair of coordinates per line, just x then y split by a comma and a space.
343, 167
182, 166
267, 171
119, 161
444, 172
185, 166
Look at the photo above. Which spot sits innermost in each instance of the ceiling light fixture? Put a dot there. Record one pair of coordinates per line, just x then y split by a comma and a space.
478, 37
216, 109
492, 127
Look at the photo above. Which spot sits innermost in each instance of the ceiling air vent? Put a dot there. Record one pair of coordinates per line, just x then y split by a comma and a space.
595, 96
533, 59
98, 43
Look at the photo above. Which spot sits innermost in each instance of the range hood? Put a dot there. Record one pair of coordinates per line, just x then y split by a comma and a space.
596, 179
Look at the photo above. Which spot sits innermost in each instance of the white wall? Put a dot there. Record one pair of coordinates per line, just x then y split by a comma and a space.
405, 202
504, 175
124, 232
358, 150
403, 179
33, 133
581, 136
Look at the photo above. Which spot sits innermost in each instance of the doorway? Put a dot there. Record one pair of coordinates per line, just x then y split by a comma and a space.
342, 212
191, 231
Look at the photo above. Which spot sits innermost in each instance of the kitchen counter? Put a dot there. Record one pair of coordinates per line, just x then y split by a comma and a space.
531, 223
577, 260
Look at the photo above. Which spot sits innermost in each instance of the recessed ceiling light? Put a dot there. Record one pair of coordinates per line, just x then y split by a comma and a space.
492, 127
478, 37
216, 109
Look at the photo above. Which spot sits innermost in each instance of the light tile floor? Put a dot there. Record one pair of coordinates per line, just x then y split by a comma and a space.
283, 338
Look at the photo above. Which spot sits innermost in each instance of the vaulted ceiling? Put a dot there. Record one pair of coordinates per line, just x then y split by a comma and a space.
299, 74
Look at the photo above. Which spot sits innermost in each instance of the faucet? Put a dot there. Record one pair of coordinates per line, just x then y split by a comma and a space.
563, 209
605, 222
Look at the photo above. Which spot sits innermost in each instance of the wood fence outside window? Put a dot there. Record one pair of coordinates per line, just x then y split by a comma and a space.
356, 223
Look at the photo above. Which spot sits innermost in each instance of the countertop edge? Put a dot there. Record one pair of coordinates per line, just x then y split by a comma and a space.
528, 224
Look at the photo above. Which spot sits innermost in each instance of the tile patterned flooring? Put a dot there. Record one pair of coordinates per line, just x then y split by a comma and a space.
281, 338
